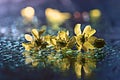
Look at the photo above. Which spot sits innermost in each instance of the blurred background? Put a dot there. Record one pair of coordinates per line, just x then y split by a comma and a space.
80, 11
18, 17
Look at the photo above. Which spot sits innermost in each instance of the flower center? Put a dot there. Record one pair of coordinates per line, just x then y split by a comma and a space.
82, 39
61, 43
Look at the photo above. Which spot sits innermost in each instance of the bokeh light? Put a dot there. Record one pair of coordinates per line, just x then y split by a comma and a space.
55, 17
95, 14
28, 13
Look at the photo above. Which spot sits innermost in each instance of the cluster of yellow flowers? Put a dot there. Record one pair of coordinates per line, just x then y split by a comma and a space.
63, 51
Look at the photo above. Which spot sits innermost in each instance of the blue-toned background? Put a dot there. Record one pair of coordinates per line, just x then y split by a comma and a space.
11, 36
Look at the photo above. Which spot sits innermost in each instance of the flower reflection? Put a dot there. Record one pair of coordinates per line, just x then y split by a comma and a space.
85, 62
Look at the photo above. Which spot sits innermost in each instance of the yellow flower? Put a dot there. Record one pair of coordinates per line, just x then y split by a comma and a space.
28, 46
47, 38
86, 63
55, 17
84, 39
35, 41
62, 40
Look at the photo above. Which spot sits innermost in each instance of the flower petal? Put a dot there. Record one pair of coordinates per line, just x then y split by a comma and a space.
41, 32
79, 47
67, 33
78, 39
28, 37
71, 42
35, 33
27, 46
87, 46
77, 29
92, 39
87, 29
47, 39
63, 35
53, 42
92, 32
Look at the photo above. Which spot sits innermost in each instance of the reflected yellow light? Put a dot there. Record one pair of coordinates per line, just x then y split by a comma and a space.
96, 13
28, 13
55, 17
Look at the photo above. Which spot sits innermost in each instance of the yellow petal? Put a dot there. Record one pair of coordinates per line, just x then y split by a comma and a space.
41, 32
67, 36
35, 33
77, 29
92, 32
67, 33
53, 41
78, 68
92, 39
79, 47
71, 42
27, 46
63, 35
47, 39
88, 46
78, 39
87, 29
28, 37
